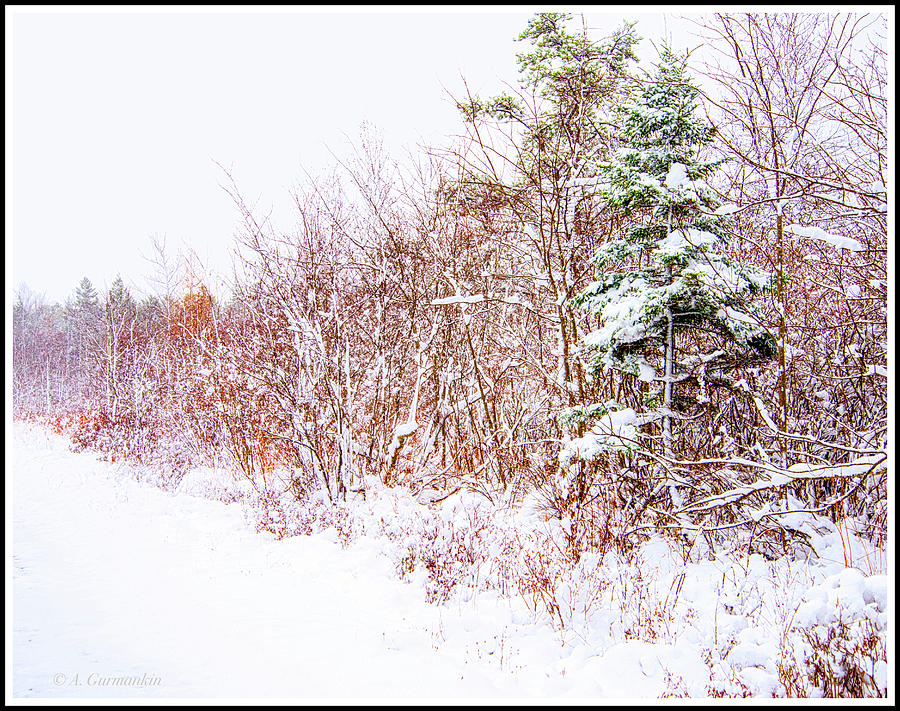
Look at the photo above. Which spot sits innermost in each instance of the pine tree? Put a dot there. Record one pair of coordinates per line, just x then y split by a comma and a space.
558, 124
86, 296
119, 314
667, 274
119, 302
85, 325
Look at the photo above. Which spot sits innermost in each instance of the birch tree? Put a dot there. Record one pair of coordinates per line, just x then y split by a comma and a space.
801, 103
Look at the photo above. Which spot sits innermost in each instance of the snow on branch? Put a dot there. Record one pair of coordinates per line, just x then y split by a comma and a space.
776, 477
821, 235
449, 300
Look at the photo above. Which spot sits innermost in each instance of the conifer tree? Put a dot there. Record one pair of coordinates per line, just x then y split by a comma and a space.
119, 302
119, 312
85, 319
558, 123
667, 274
86, 296
85, 313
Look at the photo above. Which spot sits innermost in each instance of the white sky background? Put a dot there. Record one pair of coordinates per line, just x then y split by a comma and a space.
115, 119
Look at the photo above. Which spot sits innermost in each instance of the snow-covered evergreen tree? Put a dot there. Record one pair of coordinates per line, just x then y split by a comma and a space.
667, 273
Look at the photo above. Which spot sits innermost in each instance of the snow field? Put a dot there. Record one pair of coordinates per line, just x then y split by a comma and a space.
117, 579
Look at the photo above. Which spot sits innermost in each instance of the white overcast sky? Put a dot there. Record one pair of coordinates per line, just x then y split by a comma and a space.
115, 118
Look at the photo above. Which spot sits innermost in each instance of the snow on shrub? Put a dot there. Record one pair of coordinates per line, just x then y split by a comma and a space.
792, 626
837, 644
797, 625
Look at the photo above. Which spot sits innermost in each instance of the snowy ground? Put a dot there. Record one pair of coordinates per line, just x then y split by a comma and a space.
121, 590
117, 579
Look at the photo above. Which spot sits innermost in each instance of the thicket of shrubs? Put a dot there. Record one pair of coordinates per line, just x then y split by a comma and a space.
425, 328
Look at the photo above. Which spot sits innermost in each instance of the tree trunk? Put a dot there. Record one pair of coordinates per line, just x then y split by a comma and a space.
782, 333
667, 390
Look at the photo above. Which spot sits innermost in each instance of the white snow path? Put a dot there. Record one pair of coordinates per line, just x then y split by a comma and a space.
115, 579
116, 582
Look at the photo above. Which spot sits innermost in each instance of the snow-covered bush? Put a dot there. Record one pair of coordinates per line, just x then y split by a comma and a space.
836, 645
